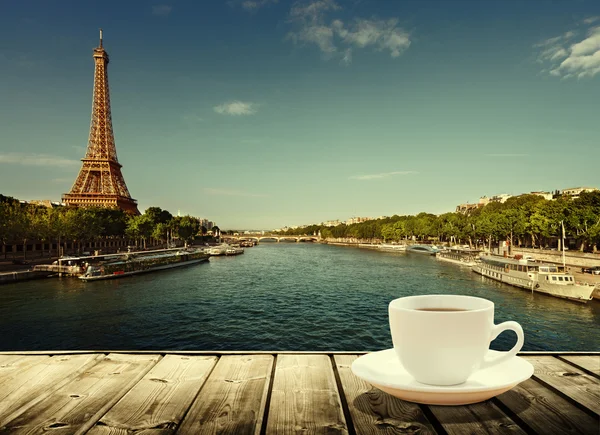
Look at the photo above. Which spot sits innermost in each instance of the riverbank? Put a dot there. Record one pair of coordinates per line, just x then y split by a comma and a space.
24, 275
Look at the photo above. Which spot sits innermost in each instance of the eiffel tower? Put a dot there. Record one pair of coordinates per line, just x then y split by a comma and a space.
100, 182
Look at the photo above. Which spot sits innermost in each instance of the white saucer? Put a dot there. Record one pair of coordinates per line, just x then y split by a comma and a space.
383, 370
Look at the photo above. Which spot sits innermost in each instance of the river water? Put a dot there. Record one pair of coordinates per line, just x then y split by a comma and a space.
277, 296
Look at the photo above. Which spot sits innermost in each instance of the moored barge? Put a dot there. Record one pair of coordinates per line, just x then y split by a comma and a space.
462, 256
134, 264
544, 278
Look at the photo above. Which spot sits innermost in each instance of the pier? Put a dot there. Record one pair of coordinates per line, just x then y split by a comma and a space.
67, 392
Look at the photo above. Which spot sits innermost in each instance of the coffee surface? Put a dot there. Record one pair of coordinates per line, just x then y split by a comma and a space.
446, 310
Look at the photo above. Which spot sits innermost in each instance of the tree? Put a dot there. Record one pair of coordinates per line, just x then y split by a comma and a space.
140, 227
188, 227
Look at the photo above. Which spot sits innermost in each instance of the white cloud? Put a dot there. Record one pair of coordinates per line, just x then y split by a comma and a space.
591, 20
236, 108
162, 10
384, 34
253, 5
228, 192
37, 160
575, 60
337, 39
381, 175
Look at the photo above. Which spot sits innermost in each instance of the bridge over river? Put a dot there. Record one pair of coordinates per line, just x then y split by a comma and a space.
268, 237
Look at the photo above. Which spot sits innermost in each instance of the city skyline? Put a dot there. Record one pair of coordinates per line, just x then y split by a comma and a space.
261, 114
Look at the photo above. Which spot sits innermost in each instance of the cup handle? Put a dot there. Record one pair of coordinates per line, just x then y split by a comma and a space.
496, 331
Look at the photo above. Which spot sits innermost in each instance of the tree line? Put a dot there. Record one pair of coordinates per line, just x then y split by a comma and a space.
526, 220
21, 223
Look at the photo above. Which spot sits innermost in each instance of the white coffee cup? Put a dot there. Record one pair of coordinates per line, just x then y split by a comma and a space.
446, 347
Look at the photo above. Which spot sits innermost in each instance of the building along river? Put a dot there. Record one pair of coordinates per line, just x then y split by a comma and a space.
277, 296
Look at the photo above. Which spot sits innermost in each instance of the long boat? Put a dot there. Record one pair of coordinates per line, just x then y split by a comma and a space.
392, 248
462, 256
544, 278
134, 264
422, 249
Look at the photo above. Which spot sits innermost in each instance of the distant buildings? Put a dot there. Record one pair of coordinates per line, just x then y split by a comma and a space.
357, 220
572, 192
45, 203
467, 207
206, 223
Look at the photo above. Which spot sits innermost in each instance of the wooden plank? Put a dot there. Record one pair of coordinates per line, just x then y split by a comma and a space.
574, 383
7, 360
9, 365
376, 412
36, 378
157, 403
483, 417
233, 398
546, 412
304, 397
79, 404
588, 362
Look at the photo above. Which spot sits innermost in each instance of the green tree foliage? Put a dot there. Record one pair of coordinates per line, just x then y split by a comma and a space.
21, 223
525, 220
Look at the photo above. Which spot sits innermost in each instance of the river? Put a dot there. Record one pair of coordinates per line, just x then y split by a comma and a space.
277, 296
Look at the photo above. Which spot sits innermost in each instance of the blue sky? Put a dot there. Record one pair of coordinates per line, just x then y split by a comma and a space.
264, 113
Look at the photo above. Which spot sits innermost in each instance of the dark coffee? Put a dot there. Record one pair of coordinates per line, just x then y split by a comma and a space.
445, 310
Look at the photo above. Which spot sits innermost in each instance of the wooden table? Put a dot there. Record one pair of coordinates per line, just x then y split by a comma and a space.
271, 393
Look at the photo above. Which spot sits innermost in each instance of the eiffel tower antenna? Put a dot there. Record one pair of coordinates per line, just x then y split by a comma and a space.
100, 182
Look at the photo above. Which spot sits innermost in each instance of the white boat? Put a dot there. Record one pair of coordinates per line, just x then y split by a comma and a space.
234, 250
459, 255
133, 264
391, 247
218, 250
549, 279
422, 249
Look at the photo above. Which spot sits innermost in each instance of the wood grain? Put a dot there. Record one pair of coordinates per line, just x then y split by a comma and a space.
484, 417
304, 397
158, 402
8, 360
37, 378
77, 405
233, 399
546, 412
588, 362
574, 383
376, 412
10, 366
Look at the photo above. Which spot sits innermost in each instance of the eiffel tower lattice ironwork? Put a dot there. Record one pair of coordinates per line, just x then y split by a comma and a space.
100, 182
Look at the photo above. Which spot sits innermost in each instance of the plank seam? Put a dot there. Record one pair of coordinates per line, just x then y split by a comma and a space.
265, 419
6, 419
565, 396
342, 396
577, 366
513, 416
187, 411
435, 423
91, 422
